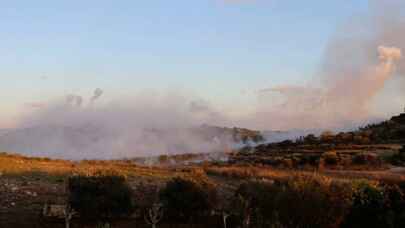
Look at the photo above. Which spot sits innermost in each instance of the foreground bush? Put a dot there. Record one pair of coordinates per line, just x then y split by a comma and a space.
316, 201
100, 198
301, 202
376, 206
254, 204
186, 200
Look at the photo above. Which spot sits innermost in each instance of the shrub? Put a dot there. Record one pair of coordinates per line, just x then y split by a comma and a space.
185, 199
100, 198
327, 137
311, 201
254, 203
397, 159
287, 162
359, 159
163, 159
368, 206
366, 158
395, 205
310, 139
330, 158
376, 206
299, 202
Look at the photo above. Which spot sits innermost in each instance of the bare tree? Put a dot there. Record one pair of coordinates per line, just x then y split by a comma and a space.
246, 211
224, 208
154, 214
225, 216
68, 214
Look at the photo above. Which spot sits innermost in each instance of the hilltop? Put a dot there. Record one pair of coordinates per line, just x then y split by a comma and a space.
391, 131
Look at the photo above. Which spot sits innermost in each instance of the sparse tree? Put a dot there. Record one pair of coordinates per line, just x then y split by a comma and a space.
154, 214
68, 214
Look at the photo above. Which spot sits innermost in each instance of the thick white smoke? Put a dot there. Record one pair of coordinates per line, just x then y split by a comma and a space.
337, 105
149, 124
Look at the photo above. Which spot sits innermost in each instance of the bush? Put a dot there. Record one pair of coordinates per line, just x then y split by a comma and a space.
330, 158
310, 139
185, 199
254, 203
327, 137
376, 206
300, 202
359, 159
312, 202
395, 205
100, 198
366, 158
397, 158
368, 206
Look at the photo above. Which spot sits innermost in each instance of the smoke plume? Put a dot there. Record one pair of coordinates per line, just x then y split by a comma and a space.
359, 62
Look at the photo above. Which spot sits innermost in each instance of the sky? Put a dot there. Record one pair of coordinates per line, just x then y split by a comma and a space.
221, 50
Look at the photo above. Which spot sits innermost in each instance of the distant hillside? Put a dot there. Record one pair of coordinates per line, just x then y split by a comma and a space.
388, 132
391, 131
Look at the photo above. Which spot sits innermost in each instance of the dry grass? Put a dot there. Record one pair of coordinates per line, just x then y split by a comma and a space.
249, 172
18, 165
56, 170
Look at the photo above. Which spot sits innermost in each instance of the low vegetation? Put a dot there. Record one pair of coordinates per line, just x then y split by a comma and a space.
297, 201
100, 198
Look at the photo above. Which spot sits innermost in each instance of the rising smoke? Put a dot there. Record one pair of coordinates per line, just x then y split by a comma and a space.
359, 62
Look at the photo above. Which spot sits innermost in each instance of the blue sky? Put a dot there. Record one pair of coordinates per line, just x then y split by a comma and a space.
215, 48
